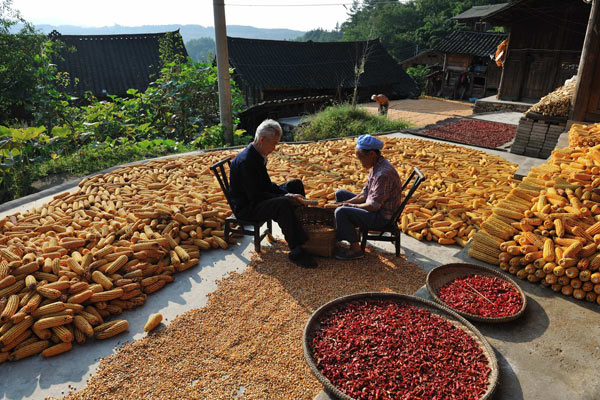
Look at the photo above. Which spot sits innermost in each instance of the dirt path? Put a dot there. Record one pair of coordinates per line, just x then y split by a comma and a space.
424, 111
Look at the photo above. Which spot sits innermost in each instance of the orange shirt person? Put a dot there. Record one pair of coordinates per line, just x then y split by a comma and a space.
382, 102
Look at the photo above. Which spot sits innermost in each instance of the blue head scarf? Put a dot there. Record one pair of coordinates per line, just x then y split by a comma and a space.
368, 142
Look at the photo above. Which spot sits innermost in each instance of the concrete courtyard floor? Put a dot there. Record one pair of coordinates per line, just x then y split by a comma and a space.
551, 352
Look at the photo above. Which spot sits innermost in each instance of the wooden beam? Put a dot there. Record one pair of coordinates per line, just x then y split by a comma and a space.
587, 64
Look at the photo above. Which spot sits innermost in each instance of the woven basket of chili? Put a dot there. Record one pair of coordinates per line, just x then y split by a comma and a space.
476, 292
393, 346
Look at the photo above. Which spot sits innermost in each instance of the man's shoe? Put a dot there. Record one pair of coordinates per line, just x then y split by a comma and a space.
349, 256
303, 260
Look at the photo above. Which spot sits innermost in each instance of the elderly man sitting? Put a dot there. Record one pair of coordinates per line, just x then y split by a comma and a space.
255, 198
377, 202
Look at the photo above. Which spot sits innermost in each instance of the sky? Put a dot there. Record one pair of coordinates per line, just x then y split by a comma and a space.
259, 13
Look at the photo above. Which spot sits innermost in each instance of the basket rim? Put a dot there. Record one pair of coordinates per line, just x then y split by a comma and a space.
437, 273
441, 310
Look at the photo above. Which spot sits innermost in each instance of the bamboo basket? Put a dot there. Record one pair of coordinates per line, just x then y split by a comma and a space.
319, 225
313, 324
439, 276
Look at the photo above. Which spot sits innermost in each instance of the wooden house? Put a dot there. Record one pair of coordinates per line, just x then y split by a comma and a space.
268, 70
469, 54
428, 58
473, 18
111, 64
544, 46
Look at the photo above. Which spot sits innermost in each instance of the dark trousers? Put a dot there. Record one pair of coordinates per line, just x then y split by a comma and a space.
347, 219
282, 210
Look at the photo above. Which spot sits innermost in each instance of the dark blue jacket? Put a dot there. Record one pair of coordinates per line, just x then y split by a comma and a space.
250, 183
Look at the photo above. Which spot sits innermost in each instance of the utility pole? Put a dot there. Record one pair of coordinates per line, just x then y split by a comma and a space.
223, 70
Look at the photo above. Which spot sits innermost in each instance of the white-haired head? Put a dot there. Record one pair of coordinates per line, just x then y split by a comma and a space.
268, 129
373, 97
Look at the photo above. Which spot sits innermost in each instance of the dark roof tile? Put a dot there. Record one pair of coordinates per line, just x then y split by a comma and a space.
114, 63
274, 64
480, 44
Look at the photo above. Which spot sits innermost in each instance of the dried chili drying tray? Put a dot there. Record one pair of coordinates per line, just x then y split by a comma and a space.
439, 276
442, 311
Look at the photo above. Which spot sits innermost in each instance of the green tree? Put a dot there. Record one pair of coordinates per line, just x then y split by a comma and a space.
405, 27
321, 35
19, 63
202, 49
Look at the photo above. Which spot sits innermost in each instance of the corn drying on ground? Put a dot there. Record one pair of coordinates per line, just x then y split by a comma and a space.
71, 265
248, 335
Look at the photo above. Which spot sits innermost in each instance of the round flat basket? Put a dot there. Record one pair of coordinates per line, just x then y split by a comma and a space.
439, 276
313, 324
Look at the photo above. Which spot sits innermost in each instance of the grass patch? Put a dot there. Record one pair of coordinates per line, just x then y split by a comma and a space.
345, 120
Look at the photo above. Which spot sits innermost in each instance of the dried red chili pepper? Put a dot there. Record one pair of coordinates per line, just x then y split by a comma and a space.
387, 350
480, 295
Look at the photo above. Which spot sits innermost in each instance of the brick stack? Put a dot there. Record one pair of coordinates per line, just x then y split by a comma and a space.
537, 138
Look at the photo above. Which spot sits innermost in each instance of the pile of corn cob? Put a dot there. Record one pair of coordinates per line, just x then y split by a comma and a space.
83, 257
461, 188
547, 230
584, 135
71, 264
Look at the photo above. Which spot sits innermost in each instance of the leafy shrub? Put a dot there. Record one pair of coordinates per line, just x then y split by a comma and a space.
419, 74
345, 120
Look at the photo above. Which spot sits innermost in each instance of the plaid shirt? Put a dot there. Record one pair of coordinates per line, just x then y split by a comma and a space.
383, 188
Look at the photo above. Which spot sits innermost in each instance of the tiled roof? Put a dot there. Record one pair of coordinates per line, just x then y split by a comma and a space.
480, 11
480, 44
111, 63
273, 64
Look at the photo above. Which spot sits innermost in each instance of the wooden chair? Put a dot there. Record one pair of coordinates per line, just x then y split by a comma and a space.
219, 170
416, 177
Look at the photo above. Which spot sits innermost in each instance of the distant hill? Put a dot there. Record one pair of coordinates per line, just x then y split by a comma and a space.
188, 32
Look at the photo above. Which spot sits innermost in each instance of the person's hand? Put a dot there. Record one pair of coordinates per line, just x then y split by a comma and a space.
296, 197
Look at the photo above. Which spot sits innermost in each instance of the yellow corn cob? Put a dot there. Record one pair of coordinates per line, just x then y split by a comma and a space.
9, 255
4, 269
119, 327
49, 292
107, 295
482, 248
101, 279
10, 309
487, 239
534, 239
507, 213
51, 308
19, 340
50, 322
63, 333
116, 265
57, 349
26, 269
30, 282
43, 334
153, 321
548, 250
573, 249
80, 297
29, 350
483, 257
16, 330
